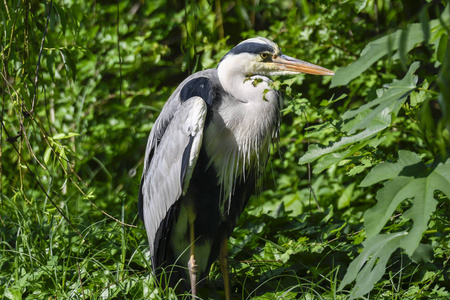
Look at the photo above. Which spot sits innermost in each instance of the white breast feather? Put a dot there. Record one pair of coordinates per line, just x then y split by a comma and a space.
239, 139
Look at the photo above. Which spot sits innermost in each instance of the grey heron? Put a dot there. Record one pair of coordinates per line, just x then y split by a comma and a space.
205, 154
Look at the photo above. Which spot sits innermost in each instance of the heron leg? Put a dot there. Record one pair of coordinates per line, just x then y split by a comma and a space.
223, 260
192, 263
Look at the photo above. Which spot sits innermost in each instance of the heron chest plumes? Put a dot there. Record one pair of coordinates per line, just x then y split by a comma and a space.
240, 134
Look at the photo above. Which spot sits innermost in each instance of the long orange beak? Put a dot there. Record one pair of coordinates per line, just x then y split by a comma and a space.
287, 63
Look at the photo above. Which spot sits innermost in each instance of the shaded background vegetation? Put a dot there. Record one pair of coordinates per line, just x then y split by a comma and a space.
82, 83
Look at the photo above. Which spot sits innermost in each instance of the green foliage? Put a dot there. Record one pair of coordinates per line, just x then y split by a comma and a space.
372, 118
82, 83
400, 43
410, 179
370, 265
365, 127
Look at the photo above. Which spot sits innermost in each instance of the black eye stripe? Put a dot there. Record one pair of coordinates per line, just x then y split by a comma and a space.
254, 48
251, 47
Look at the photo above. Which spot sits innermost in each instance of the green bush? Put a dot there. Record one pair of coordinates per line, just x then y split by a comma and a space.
355, 198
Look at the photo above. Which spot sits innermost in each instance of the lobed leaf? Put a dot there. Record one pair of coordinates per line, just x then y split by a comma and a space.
410, 179
402, 41
376, 50
372, 118
315, 151
424, 203
389, 101
387, 171
370, 265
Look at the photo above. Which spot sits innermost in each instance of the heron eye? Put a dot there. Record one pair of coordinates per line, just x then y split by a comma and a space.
264, 55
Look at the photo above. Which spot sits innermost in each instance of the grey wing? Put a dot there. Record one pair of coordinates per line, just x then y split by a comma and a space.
171, 162
199, 84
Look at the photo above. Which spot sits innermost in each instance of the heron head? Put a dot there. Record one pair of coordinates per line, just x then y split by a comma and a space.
260, 56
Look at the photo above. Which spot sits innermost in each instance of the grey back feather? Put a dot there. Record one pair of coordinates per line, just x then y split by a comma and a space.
172, 150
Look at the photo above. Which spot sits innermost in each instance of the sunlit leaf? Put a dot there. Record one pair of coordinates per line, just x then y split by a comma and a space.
402, 41
376, 50
61, 136
410, 179
346, 197
370, 265
47, 153
372, 118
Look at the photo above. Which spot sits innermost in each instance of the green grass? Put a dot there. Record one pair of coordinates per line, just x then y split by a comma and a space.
273, 256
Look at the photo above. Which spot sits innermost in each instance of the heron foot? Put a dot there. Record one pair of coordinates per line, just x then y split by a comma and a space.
193, 267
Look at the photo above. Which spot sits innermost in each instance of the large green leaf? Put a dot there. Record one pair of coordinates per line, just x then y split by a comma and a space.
410, 179
370, 265
377, 111
387, 171
372, 118
376, 50
402, 41
316, 151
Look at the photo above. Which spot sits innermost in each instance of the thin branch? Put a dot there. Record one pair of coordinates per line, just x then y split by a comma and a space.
41, 186
219, 20
81, 282
30, 149
39, 58
7, 10
1, 128
9, 85
311, 190
118, 50
108, 215
93, 204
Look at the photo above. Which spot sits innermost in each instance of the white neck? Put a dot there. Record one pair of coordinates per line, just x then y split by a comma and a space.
246, 122
234, 78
